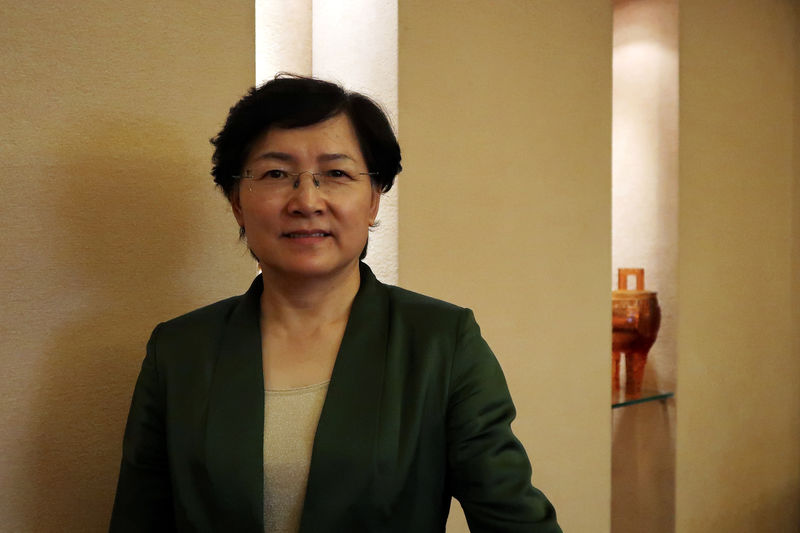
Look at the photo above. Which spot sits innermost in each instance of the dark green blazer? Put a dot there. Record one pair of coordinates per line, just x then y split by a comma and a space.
417, 412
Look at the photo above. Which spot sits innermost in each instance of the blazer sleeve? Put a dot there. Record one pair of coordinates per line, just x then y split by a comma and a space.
144, 495
488, 470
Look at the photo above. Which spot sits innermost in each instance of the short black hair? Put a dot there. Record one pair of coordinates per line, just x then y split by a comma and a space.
291, 101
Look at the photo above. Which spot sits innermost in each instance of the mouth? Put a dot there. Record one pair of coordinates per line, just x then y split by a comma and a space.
306, 234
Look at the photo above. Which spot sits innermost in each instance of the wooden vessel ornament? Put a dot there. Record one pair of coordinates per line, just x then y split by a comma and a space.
635, 319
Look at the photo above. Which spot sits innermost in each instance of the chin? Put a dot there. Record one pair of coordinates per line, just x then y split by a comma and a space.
309, 267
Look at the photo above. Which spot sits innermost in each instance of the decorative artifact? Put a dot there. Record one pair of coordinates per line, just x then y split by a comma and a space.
635, 318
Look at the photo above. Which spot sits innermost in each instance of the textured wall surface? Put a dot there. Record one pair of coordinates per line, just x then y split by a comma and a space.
505, 111
738, 459
110, 224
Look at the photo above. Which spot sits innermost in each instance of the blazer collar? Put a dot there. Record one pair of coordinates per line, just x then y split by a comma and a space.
347, 429
235, 424
344, 452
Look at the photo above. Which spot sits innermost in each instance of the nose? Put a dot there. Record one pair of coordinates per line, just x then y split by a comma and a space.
305, 199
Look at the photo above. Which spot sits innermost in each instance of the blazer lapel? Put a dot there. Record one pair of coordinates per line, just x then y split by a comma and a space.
344, 455
235, 425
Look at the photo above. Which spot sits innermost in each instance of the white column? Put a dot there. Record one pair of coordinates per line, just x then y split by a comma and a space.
354, 42
283, 38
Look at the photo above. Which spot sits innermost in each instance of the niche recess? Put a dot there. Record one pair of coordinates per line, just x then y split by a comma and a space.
645, 234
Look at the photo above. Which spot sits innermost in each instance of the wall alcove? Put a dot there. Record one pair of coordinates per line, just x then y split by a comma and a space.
644, 235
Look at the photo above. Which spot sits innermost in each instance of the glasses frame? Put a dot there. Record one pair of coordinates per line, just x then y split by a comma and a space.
249, 176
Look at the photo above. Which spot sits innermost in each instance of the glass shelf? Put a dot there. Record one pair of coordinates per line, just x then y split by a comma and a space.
619, 399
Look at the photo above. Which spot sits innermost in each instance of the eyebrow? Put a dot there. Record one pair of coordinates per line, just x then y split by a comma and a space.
334, 157
283, 156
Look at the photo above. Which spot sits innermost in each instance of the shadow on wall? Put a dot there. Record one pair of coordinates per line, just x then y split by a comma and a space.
122, 232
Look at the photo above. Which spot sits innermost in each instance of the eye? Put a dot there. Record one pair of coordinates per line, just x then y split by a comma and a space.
336, 174
275, 174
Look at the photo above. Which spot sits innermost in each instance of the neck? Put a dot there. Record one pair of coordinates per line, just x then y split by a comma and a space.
295, 303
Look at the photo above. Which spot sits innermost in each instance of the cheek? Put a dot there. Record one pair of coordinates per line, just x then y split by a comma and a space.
360, 216
257, 210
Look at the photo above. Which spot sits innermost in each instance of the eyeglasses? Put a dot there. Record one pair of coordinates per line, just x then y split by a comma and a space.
277, 181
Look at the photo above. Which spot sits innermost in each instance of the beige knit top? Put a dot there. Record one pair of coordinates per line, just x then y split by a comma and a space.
290, 423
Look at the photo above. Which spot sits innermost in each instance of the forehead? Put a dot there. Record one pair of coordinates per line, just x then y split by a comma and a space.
335, 135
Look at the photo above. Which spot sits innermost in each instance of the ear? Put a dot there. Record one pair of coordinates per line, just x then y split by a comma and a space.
375, 203
236, 207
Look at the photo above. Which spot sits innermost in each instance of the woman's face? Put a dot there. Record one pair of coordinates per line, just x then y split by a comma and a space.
314, 224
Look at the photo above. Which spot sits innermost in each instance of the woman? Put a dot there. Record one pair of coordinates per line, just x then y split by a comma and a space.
321, 399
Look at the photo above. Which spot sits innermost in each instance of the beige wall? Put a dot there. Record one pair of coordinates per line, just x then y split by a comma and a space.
110, 224
505, 111
738, 458
795, 252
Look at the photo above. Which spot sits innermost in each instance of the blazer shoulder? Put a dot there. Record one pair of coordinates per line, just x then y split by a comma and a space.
194, 333
427, 312
206, 316
418, 301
